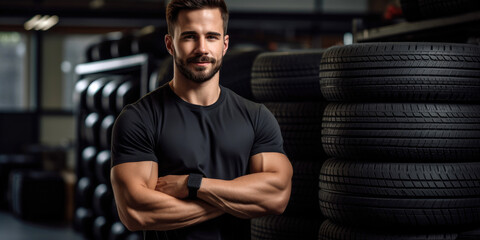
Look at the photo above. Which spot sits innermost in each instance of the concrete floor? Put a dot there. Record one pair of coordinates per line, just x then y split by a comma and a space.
13, 228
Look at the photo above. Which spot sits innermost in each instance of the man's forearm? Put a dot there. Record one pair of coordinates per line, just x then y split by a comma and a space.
248, 196
163, 213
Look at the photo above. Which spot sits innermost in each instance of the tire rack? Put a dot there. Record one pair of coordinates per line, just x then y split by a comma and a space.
287, 83
95, 210
455, 29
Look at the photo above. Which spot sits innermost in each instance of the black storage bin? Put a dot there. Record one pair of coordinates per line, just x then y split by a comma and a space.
37, 195
9, 163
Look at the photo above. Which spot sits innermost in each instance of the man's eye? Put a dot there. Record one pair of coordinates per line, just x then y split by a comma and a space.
189, 37
212, 37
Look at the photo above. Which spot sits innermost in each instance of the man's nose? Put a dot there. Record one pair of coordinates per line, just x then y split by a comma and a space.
202, 46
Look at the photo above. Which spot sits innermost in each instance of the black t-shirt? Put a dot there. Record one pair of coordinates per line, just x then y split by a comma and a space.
216, 141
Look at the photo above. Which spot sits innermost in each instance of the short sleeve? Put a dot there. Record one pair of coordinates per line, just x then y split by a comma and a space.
268, 137
132, 138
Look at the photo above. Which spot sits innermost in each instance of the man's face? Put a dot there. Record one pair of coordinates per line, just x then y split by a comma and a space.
198, 44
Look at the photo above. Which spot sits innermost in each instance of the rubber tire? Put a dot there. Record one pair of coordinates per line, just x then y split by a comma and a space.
303, 200
105, 49
402, 132
471, 234
89, 155
122, 47
94, 93
301, 126
236, 71
128, 92
331, 231
80, 93
83, 222
101, 228
284, 228
401, 72
96, 53
102, 200
287, 76
135, 236
421, 195
150, 40
109, 95
92, 53
92, 129
102, 166
84, 192
118, 232
105, 136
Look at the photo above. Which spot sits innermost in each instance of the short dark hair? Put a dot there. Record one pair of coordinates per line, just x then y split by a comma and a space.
175, 6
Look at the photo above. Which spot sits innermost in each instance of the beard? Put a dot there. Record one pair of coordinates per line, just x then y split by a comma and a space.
198, 74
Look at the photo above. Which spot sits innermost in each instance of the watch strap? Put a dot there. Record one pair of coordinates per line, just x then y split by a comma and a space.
193, 183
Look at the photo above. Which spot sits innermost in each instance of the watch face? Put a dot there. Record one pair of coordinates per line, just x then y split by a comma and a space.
193, 183
194, 180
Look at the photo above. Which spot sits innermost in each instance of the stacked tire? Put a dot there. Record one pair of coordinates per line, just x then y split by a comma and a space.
287, 83
123, 44
403, 131
99, 100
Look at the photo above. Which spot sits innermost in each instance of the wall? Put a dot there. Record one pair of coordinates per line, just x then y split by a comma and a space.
345, 6
289, 6
52, 76
272, 5
55, 130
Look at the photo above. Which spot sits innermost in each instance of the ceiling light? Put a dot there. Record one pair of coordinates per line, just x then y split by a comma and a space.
39, 22
96, 4
30, 24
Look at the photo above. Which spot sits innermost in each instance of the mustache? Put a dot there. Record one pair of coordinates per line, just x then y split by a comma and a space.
201, 58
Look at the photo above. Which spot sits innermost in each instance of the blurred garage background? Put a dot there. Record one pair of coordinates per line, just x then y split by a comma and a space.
67, 68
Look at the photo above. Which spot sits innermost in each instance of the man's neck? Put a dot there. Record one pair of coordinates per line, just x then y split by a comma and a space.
203, 94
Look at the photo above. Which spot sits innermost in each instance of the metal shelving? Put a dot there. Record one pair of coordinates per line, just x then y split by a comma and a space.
447, 29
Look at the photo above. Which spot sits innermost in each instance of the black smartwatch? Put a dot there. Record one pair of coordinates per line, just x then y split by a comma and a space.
193, 183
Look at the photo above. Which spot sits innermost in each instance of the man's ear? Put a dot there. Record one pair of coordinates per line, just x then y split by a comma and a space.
226, 41
169, 44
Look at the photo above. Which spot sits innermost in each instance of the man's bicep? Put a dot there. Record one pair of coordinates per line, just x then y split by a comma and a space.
270, 162
277, 166
134, 174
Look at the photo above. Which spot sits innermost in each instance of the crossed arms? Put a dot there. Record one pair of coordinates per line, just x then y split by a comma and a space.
147, 202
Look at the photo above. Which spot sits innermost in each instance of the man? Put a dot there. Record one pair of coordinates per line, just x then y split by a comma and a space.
193, 160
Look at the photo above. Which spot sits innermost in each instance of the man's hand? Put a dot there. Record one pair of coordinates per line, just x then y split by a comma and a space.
173, 185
